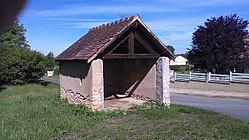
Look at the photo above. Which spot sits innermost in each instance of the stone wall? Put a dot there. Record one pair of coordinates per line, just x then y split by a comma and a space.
75, 81
162, 81
82, 83
97, 100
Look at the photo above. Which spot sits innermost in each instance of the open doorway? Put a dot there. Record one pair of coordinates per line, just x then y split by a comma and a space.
124, 78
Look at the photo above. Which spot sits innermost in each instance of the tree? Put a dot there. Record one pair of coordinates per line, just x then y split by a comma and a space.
19, 64
14, 36
218, 44
50, 64
171, 48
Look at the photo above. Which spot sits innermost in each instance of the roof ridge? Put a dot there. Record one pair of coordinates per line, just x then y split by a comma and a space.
114, 22
89, 46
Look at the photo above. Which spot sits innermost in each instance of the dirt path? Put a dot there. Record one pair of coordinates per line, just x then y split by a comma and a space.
122, 103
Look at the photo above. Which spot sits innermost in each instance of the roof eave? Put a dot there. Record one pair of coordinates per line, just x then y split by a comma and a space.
110, 42
135, 19
69, 59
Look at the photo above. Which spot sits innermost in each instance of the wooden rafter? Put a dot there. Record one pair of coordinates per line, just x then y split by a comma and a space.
127, 56
118, 44
131, 47
145, 44
131, 43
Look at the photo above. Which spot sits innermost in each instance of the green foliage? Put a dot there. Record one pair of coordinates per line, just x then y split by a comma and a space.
14, 36
180, 68
56, 70
171, 48
50, 62
219, 44
185, 55
19, 64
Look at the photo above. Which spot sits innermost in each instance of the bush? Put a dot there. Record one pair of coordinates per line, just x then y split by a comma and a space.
180, 68
19, 65
56, 70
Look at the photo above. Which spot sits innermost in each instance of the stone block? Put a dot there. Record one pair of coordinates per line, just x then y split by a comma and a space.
162, 81
97, 96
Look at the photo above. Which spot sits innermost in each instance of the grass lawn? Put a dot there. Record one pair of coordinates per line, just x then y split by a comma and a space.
36, 112
154, 122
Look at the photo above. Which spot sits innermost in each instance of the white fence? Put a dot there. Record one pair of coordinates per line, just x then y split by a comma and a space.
208, 77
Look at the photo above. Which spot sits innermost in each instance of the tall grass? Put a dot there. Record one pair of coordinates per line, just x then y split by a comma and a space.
35, 111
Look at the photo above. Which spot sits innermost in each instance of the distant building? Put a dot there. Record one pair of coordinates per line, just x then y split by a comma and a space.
179, 60
50, 73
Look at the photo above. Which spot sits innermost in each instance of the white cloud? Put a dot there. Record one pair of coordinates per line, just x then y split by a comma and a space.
86, 10
82, 25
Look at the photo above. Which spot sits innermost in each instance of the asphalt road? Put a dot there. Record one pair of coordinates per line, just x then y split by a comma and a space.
52, 80
236, 108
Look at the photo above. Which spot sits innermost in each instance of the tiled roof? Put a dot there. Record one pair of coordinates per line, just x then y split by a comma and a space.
98, 38
95, 40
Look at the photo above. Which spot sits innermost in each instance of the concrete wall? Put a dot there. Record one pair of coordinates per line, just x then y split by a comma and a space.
134, 76
76, 81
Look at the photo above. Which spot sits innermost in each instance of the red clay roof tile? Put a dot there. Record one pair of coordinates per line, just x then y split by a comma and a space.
98, 38
94, 40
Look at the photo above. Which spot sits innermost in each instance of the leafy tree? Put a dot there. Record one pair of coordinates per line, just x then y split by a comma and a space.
186, 55
218, 44
14, 36
19, 64
171, 48
50, 64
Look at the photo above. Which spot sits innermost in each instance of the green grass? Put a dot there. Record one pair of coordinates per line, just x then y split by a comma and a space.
35, 112
154, 122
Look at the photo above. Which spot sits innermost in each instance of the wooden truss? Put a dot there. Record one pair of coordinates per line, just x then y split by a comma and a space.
132, 46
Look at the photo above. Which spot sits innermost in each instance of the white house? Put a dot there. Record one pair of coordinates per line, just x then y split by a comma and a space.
50, 73
179, 60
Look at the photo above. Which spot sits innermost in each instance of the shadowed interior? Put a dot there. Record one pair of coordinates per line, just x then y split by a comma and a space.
132, 76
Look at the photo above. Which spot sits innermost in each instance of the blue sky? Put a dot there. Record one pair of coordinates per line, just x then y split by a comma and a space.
53, 25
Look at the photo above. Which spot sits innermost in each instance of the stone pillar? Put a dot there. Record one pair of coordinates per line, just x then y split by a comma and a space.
162, 81
97, 97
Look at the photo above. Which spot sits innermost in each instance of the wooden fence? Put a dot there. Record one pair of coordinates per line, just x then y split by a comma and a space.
208, 77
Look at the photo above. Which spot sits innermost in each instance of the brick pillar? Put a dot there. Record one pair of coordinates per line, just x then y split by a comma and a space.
162, 81
97, 98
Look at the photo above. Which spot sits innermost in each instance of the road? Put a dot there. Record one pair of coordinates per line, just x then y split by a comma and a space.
52, 80
236, 108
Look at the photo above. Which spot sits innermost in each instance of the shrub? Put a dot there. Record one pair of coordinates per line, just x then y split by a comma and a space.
19, 65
